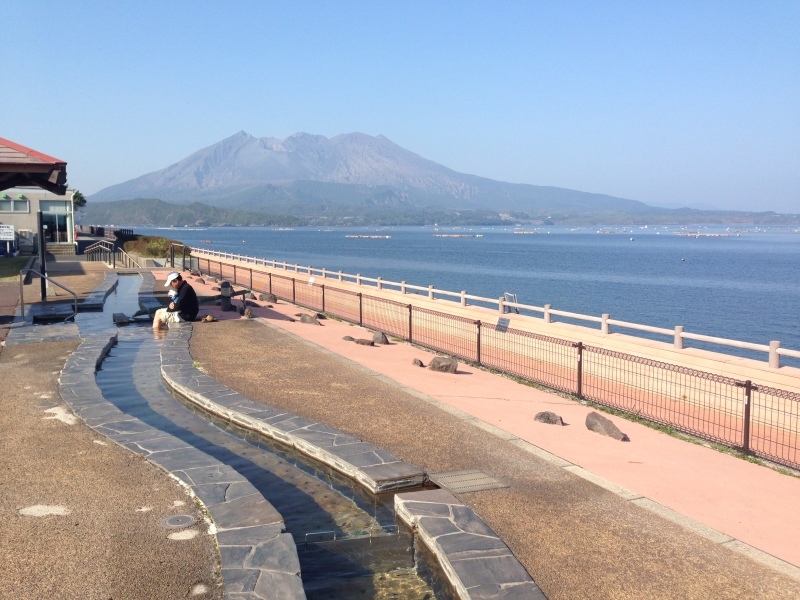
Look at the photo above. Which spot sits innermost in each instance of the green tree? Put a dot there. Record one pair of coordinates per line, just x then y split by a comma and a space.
78, 199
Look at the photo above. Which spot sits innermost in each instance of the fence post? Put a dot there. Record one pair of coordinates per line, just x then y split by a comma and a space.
402, 287
430, 292
183, 259
501, 305
251, 279
464, 298
293, 290
580, 370
748, 393
234, 273
546, 316
604, 323
340, 274
410, 337
358, 278
269, 276
774, 357
379, 283
323, 297
172, 256
478, 353
360, 311
678, 337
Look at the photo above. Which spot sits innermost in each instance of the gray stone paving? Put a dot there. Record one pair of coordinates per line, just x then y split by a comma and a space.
476, 561
375, 469
258, 559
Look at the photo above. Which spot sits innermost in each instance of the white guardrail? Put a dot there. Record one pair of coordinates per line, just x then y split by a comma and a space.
773, 349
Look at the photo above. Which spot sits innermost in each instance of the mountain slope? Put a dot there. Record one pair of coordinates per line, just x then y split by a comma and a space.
284, 175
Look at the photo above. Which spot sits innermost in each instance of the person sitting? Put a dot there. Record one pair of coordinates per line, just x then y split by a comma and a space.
184, 305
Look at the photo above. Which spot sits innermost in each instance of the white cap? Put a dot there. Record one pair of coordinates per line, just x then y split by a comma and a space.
170, 277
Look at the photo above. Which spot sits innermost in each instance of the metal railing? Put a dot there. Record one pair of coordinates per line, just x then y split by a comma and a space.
502, 305
24, 272
756, 419
108, 253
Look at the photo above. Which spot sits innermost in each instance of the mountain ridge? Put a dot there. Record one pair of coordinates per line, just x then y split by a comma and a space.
243, 171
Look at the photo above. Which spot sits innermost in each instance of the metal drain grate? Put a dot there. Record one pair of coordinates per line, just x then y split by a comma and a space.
177, 521
465, 481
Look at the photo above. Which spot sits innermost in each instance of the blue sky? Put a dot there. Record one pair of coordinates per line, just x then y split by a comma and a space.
671, 103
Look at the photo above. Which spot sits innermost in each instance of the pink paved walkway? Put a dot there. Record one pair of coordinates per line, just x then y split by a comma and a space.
750, 503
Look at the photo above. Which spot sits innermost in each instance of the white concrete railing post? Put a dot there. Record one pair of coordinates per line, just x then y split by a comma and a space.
402, 287
774, 357
430, 292
379, 283
309, 270
324, 275
340, 275
358, 278
463, 297
604, 323
501, 305
678, 337
548, 318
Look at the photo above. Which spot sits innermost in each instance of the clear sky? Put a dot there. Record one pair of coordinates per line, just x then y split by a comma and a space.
669, 102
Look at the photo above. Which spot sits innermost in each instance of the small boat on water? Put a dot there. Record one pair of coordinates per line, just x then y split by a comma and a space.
369, 237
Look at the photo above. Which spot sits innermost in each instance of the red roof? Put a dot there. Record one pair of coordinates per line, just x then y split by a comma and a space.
20, 165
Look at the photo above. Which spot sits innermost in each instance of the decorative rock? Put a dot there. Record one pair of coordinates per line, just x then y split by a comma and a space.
195, 273
251, 296
308, 319
349, 338
215, 279
320, 316
550, 418
247, 314
380, 338
599, 424
201, 280
363, 342
443, 364
215, 288
268, 298
417, 363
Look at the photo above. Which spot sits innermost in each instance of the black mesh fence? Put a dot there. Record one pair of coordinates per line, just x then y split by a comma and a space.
756, 419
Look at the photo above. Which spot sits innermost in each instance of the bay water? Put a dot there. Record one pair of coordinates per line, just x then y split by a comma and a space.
739, 284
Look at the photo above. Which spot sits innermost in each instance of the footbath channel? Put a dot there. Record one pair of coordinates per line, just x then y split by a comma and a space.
348, 543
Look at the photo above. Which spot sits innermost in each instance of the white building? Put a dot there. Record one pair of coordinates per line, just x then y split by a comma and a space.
19, 207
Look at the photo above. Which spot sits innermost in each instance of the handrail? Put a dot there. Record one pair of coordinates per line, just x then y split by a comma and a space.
54, 282
105, 246
677, 333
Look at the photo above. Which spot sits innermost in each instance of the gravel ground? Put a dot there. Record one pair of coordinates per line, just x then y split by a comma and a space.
107, 542
576, 539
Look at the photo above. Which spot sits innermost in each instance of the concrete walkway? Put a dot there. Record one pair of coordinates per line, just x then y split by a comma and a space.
588, 517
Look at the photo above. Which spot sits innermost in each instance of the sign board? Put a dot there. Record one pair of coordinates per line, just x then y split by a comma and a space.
502, 325
6, 233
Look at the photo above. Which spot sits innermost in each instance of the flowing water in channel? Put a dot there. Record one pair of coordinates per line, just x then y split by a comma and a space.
347, 540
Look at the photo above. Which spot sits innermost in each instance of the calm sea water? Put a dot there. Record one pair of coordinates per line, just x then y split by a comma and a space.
745, 286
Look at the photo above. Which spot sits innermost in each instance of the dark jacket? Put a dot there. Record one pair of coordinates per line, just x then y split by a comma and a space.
186, 303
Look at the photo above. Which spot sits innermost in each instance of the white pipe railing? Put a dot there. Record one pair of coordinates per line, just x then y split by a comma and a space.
773, 349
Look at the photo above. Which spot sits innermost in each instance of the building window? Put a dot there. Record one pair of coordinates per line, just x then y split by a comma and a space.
16, 206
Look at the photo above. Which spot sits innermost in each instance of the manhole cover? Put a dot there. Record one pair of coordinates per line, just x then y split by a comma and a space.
177, 521
465, 481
